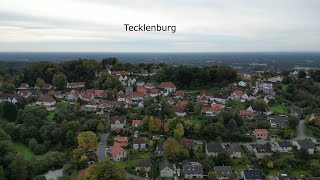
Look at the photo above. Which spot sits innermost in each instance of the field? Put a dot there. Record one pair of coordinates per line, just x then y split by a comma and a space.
279, 109
27, 153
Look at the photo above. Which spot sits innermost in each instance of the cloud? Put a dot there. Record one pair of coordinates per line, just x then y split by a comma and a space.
203, 25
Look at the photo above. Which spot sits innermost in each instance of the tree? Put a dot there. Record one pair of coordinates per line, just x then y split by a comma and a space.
9, 111
171, 149
3, 135
59, 81
106, 170
8, 88
197, 109
178, 131
2, 175
212, 175
40, 83
302, 74
260, 106
87, 140
18, 168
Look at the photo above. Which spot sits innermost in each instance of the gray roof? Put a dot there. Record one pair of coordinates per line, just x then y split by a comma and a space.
159, 147
214, 147
223, 171
165, 164
193, 168
306, 144
263, 148
144, 163
280, 120
235, 147
285, 144
286, 178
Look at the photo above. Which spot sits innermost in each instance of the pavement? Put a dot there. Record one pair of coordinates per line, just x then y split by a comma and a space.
131, 176
101, 150
301, 135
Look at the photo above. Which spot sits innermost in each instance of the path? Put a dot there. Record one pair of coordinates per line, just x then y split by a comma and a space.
101, 150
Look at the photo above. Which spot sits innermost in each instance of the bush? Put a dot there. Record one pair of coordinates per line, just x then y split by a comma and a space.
39, 149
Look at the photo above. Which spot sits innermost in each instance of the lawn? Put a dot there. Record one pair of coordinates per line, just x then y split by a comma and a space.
237, 105
51, 116
133, 158
27, 153
279, 109
300, 173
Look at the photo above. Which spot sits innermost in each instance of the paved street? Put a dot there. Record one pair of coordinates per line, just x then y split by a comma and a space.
131, 176
102, 147
301, 134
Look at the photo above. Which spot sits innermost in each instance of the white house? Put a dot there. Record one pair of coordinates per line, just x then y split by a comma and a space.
118, 122
46, 101
167, 169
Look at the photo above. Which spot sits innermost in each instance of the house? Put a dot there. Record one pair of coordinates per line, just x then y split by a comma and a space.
217, 108
261, 134
286, 177
296, 112
306, 144
234, 150
242, 84
262, 150
267, 88
75, 85
46, 101
121, 97
25, 93
154, 92
237, 95
141, 89
72, 96
251, 175
44, 86
140, 83
128, 90
208, 111
231, 87
167, 169
212, 149
279, 122
181, 103
86, 96
117, 153
204, 99
187, 143
139, 144
169, 86
159, 149
246, 113
224, 172
144, 73
220, 98
179, 111
178, 94
24, 86
136, 123
193, 170
118, 122
121, 141
145, 164
149, 85
282, 146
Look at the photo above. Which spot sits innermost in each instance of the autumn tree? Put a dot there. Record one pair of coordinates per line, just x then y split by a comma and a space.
171, 149
212, 175
106, 170
87, 140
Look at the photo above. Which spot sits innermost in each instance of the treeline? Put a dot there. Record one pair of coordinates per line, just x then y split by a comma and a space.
85, 70
196, 77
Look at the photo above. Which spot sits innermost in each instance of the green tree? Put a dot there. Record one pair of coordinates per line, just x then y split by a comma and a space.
106, 170
212, 175
40, 83
9, 111
87, 140
197, 109
178, 131
8, 88
59, 81
18, 168
260, 106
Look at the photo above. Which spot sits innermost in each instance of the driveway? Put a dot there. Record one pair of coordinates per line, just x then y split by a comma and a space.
101, 150
131, 176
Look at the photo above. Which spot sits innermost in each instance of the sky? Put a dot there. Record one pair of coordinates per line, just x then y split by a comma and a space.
201, 25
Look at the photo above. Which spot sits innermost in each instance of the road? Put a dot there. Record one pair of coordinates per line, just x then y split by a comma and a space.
102, 147
301, 135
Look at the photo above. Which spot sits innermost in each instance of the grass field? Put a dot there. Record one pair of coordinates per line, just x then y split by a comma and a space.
279, 109
237, 105
27, 153
50, 116
299, 174
133, 159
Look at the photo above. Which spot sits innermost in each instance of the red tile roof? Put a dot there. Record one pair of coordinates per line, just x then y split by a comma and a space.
141, 89
136, 122
217, 107
167, 85
116, 149
260, 131
245, 113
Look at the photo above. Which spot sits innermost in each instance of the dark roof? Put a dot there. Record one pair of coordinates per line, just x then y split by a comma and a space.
144, 163
165, 164
280, 120
286, 178
138, 141
252, 174
159, 147
178, 109
214, 147
306, 144
296, 110
263, 148
234, 147
120, 118
223, 171
193, 168
285, 144
45, 98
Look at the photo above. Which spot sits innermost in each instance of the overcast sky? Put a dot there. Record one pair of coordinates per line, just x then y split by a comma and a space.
202, 25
